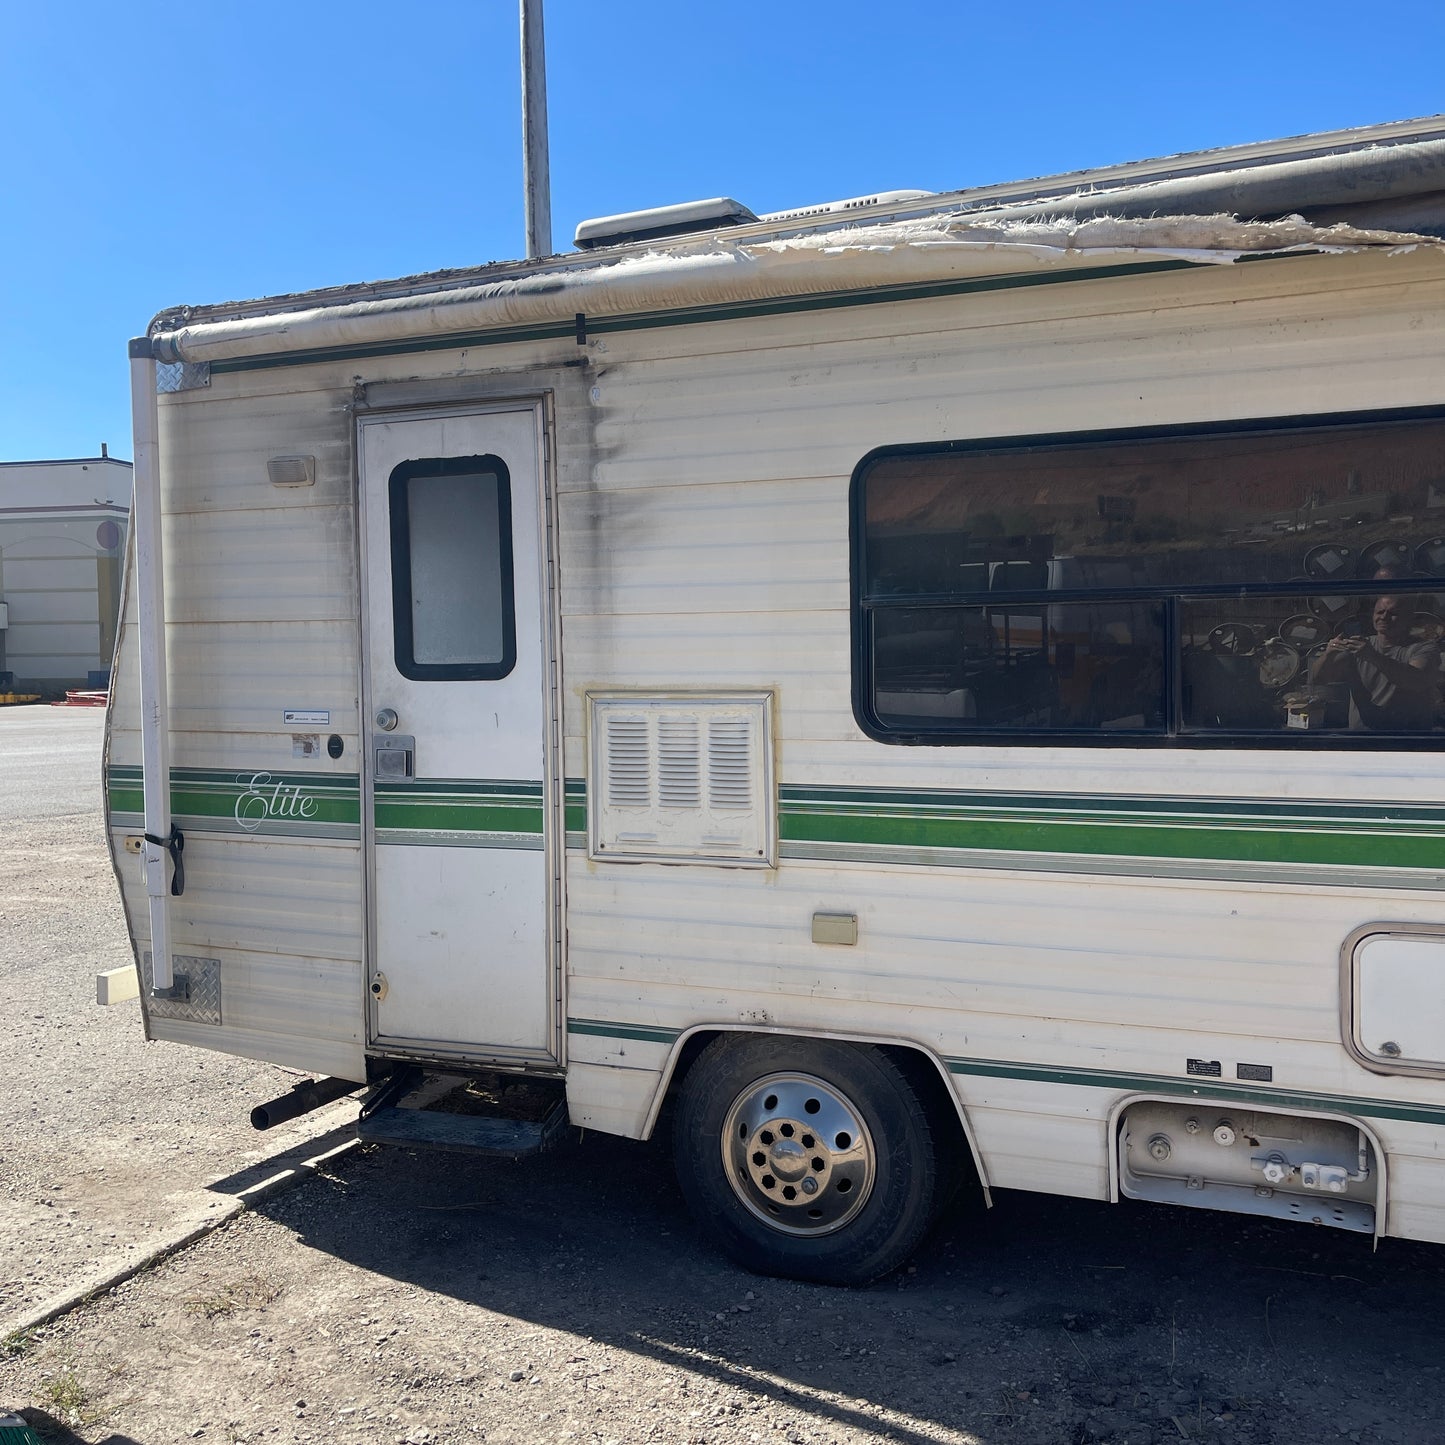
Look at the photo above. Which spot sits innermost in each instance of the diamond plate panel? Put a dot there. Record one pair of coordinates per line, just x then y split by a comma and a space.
203, 977
182, 375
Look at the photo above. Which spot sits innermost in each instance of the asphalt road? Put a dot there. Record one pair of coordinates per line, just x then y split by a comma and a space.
107, 1143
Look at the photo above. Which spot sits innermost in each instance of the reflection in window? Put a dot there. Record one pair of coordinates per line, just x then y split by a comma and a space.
1355, 663
1068, 665
1269, 581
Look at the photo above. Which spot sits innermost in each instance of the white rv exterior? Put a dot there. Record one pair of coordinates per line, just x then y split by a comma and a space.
662, 820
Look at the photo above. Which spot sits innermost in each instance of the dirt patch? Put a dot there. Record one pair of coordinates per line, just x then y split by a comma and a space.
106, 1142
434, 1298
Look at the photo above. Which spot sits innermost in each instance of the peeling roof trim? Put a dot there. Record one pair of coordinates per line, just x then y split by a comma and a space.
880, 262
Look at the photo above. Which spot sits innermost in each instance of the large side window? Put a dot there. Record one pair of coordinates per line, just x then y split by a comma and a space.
1273, 582
451, 568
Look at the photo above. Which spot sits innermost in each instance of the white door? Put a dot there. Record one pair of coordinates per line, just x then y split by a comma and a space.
453, 549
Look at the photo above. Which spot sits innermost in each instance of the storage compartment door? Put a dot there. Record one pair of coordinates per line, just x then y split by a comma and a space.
1399, 986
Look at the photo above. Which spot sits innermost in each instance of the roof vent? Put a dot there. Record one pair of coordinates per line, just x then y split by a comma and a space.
880, 200
662, 221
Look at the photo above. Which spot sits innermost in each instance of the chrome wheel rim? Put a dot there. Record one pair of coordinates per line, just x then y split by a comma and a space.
798, 1154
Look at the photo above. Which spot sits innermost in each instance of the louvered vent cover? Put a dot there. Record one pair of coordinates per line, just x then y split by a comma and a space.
682, 778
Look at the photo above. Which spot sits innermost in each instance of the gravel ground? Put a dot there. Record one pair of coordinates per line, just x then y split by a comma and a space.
431, 1298
438, 1298
106, 1141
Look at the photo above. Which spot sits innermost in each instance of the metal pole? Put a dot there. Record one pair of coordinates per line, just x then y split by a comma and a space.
538, 183
155, 710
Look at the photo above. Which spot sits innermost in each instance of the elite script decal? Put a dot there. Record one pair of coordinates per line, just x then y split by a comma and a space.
264, 799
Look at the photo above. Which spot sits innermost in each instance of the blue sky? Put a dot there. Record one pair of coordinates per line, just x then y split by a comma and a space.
158, 153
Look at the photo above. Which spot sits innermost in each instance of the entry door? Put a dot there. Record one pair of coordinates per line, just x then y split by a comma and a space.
453, 549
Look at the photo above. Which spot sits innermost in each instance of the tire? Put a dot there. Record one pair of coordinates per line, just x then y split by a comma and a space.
806, 1158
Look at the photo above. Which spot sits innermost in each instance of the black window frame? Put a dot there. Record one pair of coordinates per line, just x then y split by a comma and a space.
861, 607
399, 519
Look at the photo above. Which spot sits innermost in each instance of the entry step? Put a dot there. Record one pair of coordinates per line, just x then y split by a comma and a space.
429, 1128
494, 1116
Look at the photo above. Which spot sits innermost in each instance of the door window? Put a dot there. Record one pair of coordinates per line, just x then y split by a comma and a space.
451, 565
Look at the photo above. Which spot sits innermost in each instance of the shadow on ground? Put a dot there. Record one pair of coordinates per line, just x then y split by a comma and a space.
1042, 1320
57, 1432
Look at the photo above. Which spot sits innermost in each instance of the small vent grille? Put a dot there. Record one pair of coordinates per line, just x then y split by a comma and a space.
679, 772
629, 771
729, 763
682, 778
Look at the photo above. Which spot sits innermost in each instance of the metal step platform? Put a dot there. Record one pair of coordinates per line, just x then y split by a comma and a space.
464, 1116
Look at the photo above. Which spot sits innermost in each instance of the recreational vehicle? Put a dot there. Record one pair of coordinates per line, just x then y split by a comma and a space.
924, 688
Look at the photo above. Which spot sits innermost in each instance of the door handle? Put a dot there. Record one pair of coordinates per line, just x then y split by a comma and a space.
395, 756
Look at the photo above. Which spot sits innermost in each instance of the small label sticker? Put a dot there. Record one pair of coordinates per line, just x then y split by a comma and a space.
1259, 1073
1204, 1068
305, 745
306, 717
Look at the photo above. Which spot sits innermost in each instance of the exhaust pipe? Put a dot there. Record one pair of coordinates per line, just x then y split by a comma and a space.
302, 1099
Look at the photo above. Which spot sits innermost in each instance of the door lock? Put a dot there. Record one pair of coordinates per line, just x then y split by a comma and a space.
395, 754
386, 719
379, 986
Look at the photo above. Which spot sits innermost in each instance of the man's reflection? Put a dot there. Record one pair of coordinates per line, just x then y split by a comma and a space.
1394, 683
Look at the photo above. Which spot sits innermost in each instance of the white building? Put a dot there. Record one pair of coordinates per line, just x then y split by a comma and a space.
62, 551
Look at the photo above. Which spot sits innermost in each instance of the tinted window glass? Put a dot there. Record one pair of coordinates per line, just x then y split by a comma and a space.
1063, 665
452, 568
1160, 586
1326, 504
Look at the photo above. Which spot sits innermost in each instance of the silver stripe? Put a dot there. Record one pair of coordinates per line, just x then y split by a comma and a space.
1336, 875
416, 837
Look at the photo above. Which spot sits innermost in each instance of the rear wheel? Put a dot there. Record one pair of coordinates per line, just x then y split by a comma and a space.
805, 1157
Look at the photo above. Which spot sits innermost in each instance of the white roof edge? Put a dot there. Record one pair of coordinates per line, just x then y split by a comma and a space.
722, 270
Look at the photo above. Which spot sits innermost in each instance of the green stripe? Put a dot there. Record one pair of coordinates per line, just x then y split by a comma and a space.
239, 797
463, 788
1197, 1089
230, 777
1280, 1099
415, 815
642, 1033
575, 806
917, 799
692, 316
1215, 829
461, 805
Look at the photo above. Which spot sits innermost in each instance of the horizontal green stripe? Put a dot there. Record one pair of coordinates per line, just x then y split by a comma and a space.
642, 1033
471, 817
461, 805
1213, 829
319, 807
1200, 1089
1278, 1099
693, 315
461, 788
233, 777
916, 800
254, 800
